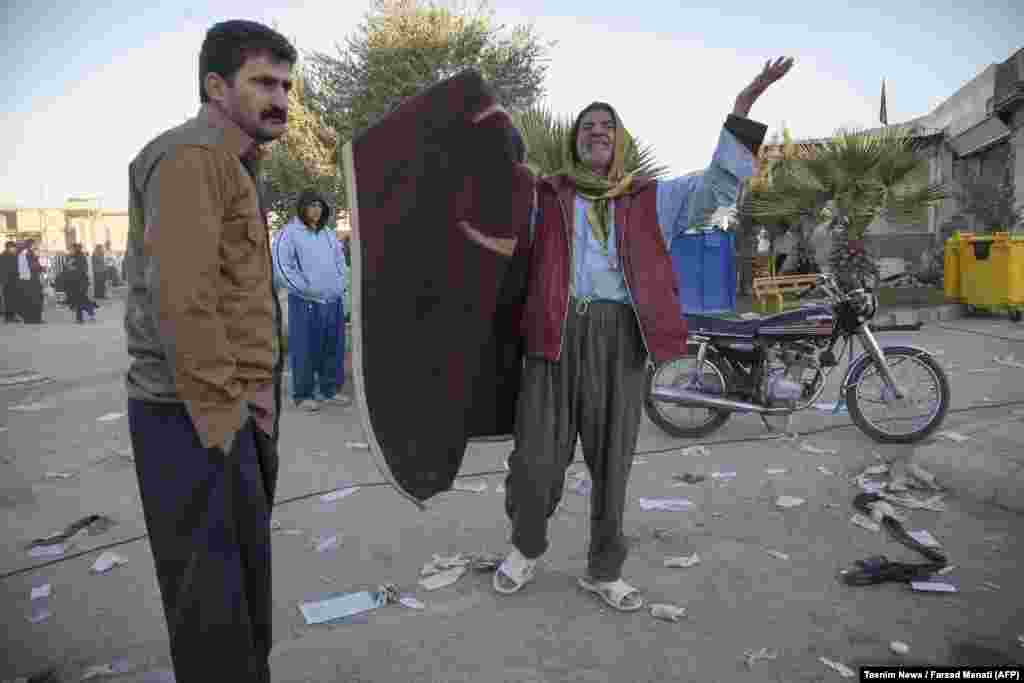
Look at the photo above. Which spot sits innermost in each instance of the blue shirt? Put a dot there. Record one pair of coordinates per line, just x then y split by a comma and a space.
680, 202
310, 264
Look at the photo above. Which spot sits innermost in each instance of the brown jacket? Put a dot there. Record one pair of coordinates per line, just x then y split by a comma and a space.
200, 320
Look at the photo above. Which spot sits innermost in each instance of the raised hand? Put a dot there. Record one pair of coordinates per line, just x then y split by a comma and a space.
772, 72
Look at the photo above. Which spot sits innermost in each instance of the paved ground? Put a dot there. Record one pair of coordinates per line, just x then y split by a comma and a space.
738, 598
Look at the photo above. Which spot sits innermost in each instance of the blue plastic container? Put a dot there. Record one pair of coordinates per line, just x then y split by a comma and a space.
705, 265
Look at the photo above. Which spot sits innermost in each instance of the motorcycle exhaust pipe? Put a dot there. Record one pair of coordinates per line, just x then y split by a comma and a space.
688, 397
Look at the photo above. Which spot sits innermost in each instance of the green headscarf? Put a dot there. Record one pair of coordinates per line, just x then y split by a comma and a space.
599, 189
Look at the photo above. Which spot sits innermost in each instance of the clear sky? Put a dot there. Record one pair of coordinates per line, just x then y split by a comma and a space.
87, 84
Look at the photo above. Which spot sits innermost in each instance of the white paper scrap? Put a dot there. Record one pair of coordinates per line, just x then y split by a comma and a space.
107, 561
338, 494
666, 504
110, 417
684, 562
933, 586
925, 538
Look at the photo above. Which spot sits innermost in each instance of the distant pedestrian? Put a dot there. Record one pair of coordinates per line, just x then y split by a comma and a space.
203, 327
74, 280
30, 284
311, 263
99, 272
9, 281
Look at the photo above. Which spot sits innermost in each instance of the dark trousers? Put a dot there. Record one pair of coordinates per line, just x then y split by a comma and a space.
12, 308
100, 285
208, 518
30, 300
316, 347
594, 392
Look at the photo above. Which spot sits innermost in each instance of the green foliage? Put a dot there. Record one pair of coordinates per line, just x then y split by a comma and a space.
405, 46
546, 137
303, 158
850, 180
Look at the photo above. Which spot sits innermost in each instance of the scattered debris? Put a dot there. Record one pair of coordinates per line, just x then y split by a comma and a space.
814, 450
777, 554
1008, 361
92, 525
41, 551
954, 436
666, 504
275, 525
684, 562
876, 469
640, 461
411, 602
663, 534
667, 612
825, 470
695, 451
834, 407
109, 417
946, 570
323, 544
899, 648
442, 579
581, 487
500, 488
1020, 640
30, 407
341, 606
934, 503
118, 666
988, 585
922, 475
689, 478
925, 538
789, 501
338, 494
830, 505
865, 522
478, 486
39, 615
933, 587
357, 445
59, 475
775, 470
723, 475
838, 667
752, 656
107, 561
43, 591
478, 562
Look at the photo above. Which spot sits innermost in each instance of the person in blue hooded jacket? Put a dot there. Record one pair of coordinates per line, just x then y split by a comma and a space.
310, 264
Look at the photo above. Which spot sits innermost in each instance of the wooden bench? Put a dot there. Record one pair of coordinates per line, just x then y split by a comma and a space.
765, 287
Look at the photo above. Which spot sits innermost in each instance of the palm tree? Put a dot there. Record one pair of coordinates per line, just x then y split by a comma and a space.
545, 134
850, 180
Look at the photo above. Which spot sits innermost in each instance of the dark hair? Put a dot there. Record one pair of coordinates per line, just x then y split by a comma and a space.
230, 43
9, 244
579, 119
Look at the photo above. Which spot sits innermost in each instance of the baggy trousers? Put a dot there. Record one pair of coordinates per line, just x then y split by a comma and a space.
316, 346
595, 391
208, 518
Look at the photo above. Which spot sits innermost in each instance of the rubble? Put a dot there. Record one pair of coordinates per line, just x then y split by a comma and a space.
838, 667
684, 562
667, 612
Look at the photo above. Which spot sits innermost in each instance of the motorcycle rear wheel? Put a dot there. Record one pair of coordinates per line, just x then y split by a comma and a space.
669, 417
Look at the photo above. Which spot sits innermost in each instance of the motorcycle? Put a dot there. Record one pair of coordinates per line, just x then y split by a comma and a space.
777, 365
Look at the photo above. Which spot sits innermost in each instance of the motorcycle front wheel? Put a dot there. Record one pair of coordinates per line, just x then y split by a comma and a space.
870, 400
687, 422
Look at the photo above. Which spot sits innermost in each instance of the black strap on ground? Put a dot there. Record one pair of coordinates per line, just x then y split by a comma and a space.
878, 568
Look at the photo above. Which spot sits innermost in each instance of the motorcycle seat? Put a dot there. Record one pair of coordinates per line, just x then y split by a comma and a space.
723, 327
731, 327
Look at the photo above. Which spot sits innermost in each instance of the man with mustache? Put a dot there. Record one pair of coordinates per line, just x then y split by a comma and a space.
203, 329
601, 298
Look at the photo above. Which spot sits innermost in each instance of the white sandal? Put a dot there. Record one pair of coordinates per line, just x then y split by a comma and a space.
615, 593
516, 570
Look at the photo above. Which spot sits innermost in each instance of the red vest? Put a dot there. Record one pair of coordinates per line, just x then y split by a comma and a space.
644, 259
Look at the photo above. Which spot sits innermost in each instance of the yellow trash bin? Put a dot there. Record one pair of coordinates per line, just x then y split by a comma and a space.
951, 266
992, 272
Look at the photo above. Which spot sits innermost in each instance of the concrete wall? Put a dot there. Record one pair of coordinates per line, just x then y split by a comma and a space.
967, 106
